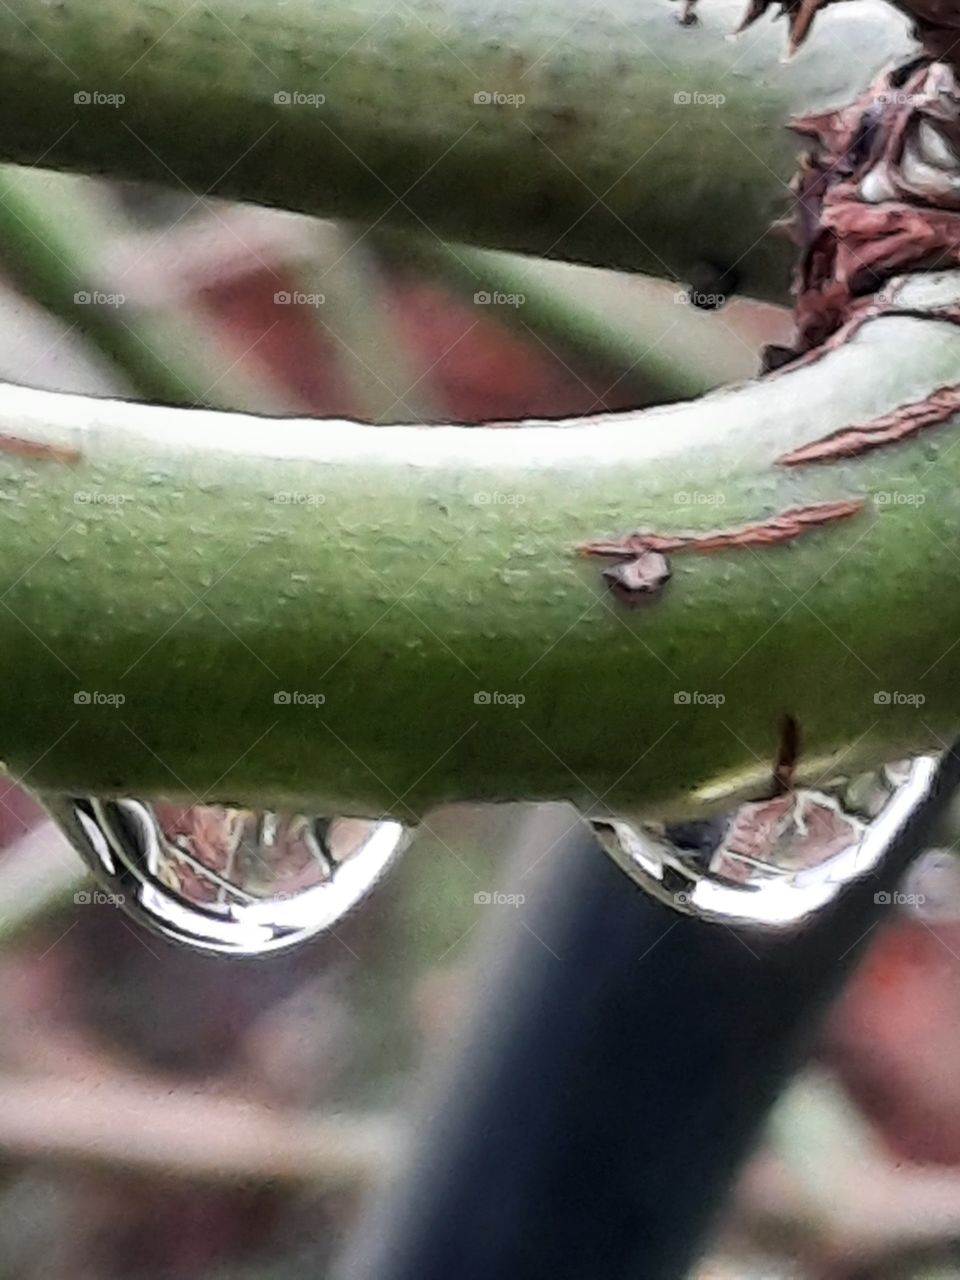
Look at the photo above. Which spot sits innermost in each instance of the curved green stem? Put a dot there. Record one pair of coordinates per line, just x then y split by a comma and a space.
51, 228
597, 136
356, 619
639, 352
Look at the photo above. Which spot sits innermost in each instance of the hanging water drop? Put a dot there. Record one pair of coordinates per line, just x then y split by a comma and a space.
234, 881
773, 863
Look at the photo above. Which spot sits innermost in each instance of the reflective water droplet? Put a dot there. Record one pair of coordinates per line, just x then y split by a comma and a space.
774, 863
228, 880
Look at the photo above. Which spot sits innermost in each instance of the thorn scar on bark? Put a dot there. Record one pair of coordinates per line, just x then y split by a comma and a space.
635, 582
762, 533
643, 569
903, 422
37, 449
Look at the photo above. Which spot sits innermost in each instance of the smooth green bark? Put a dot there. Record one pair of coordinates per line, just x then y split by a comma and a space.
600, 163
214, 561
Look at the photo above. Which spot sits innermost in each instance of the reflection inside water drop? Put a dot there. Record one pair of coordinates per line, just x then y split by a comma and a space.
230, 880
774, 863
210, 853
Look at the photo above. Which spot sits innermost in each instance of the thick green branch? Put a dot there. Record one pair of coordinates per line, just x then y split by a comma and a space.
613, 157
642, 352
50, 227
359, 619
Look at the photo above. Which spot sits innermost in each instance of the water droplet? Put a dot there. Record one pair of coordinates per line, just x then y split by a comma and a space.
774, 863
228, 880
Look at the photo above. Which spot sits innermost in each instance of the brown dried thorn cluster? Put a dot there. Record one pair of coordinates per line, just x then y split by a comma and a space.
937, 22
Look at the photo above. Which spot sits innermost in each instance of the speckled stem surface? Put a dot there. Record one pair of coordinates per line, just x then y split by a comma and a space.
611, 134
372, 620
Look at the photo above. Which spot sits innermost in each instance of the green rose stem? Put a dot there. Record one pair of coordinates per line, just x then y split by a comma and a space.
366, 620
596, 132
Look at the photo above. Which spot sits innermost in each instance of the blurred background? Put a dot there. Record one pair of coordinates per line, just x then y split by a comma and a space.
165, 1114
